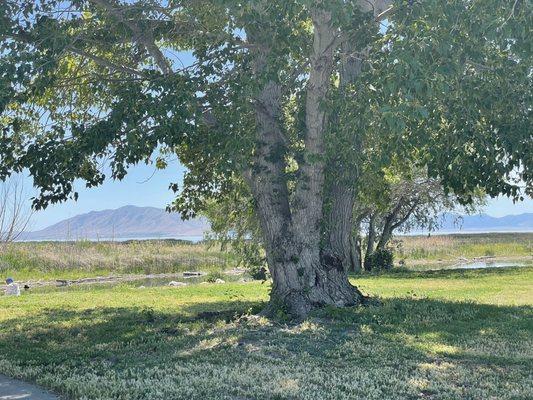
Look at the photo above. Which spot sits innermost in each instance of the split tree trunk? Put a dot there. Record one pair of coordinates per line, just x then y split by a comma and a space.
304, 277
306, 273
321, 277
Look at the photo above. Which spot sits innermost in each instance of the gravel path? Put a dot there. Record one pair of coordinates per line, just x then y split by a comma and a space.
104, 279
12, 389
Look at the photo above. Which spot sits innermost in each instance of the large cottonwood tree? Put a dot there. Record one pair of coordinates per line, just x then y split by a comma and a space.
289, 97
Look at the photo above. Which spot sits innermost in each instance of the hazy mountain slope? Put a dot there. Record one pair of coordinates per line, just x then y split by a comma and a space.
486, 223
124, 222
151, 222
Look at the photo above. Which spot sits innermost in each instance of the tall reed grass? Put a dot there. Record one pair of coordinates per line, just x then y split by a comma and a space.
133, 257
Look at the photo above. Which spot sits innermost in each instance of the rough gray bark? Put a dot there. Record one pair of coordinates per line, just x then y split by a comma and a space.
309, 190
341, 193
339, 224
267, 179
355, 253
304, 275
324, 278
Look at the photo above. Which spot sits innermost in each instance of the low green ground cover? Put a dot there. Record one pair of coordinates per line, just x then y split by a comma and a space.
435, 335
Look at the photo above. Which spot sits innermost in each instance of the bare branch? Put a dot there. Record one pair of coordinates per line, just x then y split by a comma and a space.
384, 14
15, 212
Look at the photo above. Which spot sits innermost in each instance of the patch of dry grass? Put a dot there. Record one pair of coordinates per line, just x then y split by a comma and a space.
72, 260
83, 258
435, 248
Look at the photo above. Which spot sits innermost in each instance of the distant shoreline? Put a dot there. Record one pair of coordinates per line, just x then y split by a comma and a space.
199, 238
187, 238
150, 223
464, 232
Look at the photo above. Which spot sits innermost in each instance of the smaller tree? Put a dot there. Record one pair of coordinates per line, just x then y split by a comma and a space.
407, 203
15, 211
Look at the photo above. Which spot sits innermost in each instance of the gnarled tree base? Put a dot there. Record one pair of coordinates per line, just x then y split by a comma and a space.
328, 287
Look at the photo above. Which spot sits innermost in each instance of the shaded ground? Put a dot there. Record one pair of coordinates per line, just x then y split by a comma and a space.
195, 343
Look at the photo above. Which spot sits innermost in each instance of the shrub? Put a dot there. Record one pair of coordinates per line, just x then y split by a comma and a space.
213, 276
380, 260
258, 272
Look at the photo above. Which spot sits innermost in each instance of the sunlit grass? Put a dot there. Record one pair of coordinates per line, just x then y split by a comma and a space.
496, 286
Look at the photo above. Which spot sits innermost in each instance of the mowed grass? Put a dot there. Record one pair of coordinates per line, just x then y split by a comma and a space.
438, 335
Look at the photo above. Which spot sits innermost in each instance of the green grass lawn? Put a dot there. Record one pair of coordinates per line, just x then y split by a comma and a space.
439, 335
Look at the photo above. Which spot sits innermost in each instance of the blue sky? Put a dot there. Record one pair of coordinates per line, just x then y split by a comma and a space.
143, 186
146, 186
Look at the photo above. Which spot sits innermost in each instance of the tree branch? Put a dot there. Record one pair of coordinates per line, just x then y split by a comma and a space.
27, 38
144, 38
309, 191
407, 215
105, 63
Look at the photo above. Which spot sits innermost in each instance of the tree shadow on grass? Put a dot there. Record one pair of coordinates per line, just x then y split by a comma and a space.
340, 353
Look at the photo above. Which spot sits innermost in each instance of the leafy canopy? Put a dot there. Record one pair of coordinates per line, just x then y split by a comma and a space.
89, 82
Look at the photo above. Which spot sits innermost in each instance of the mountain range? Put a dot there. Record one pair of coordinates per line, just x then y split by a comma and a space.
486, 223
126, 222
131, 222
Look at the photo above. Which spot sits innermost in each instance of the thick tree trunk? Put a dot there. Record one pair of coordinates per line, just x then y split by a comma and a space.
342, 178
304, 276
321, 277
316, 283
339, 224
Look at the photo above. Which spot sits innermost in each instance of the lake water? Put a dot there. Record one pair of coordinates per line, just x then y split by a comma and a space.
489, 264
193, 239
475, 264
160, 281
